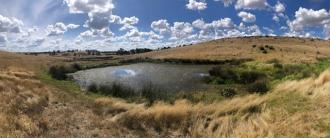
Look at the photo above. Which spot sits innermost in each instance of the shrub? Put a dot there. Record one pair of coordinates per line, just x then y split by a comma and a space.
92, 88
224, 74
259, 87
247, 77
254, 46
228, 92
76, 66
262, 48
58, 72
264, 51
271, 48
278, 65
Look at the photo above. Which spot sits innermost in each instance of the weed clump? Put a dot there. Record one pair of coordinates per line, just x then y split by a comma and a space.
60, 72
228, 92
224, 74
92, 87
247, 77
259, 87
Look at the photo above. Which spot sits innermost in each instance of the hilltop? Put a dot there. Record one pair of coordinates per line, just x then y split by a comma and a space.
285, 49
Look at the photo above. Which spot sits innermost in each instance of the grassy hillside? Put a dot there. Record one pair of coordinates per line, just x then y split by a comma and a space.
33, 104
285, 49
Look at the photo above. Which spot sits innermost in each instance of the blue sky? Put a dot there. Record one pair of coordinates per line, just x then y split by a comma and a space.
45, 25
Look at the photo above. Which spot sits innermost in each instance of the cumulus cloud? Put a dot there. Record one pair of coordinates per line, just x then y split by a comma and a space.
130, 20
161, 26
205, 28
309, 18
90, 6
128, 23
279, 7
181, 30
276, 18
196, 5
99, 11
3, 39
223, 23
59, 28
247, 17
10, 25
226, 3
223, 28
251, 4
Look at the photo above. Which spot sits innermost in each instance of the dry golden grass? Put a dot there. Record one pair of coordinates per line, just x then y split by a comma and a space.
30, 108
293, 109
286, 49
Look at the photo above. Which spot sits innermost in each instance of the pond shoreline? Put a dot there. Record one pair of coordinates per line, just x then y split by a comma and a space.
167, 61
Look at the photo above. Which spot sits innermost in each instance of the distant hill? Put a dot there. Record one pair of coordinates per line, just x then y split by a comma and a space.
286, 49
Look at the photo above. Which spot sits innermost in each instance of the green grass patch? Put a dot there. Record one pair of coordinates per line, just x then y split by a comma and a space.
292, 102
67, 87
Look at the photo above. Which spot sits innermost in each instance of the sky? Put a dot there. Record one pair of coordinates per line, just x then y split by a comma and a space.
46, 25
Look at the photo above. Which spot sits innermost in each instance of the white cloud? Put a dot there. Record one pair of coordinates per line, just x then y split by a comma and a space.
196, 5
251, 4
279, 7
305, 18
10, 25
327, 30
130, 20
226, 3
99, 11
205, 28
223, 23
247, 17
59, 28
181, 30
161, 26
276, 18
3, 39
128, 23
90, 6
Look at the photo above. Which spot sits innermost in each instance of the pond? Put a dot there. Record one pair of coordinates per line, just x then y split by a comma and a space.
166, 77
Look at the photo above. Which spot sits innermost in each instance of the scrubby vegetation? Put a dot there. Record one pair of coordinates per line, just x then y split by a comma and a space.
149, 92
60, 72
260, 77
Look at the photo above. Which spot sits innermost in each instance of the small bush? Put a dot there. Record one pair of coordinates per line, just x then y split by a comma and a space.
271, 48
254, 46
262, 48
264, 51
278, 65
58, 72
76, 66
228, 92
247, 77
224, 74
259, 87
92, 88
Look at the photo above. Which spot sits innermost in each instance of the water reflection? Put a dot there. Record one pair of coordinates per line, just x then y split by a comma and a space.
168, 77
